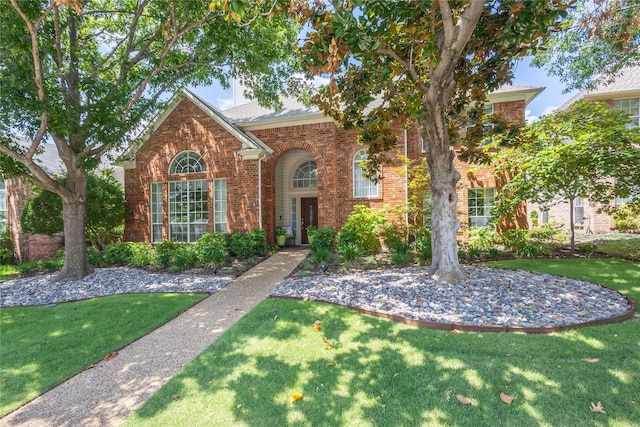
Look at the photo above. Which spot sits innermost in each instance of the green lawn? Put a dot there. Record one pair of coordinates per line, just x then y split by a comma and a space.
42, 347
381, 373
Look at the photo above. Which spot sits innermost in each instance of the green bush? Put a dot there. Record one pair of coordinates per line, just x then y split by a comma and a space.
350, 251
242, 244
259, 242
323, 239
540, 241
165, 253
482, 240
627, 217
362, 227
94, 256
394, 238
321, 255
6, 256
211, 249
401, 256
422, 245
118, 253
184, 256
133, 254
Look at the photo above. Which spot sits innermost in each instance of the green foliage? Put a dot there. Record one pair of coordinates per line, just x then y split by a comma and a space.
323, 239
362, 228
105, 210
599, 39
482, 240
322, 255
184, 256
259, 242
94, 256
350, 251
571, 154
540, 241
6, 256
246, 245
627, 217
422, 245
133, 254
211, 249
164, 253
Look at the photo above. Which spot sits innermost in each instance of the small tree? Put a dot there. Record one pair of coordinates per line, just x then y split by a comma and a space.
105, 210
585, 152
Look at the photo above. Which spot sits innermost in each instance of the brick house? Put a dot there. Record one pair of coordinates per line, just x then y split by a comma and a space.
623, 94
202, 170
14, 195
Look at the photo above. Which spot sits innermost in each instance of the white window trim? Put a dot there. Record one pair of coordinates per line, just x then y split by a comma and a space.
156, 188
220, 195
189, 154
189, 223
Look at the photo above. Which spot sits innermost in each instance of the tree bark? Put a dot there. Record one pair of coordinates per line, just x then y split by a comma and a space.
76, 264
445, 265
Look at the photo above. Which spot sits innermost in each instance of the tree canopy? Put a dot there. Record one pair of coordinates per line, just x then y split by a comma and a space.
586, 151
424, 63
600, 38
87, 75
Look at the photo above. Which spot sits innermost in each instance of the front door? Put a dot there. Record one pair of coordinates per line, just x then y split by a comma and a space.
309, 206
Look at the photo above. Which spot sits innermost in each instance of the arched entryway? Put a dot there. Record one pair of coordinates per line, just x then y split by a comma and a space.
296, 198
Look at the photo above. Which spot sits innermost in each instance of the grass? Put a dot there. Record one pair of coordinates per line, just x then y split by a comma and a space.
41, 347
628, 248
381, 373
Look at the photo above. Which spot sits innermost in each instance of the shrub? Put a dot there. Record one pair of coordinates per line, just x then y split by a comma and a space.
118, 253
94, 256
211, 249
422, 245
184, 256
394, 238
482, 240
400, 255
350, 251
165, 252
627, 217
134, 254
242, 244
362, 227
323, 239
543, 240
6, 256
259, 242
321, 255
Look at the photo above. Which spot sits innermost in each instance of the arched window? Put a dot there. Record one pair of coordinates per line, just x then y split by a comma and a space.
306, 175
362, 186
187, 162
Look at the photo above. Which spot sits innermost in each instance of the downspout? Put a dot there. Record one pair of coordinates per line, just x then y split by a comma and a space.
406, 185
260, 189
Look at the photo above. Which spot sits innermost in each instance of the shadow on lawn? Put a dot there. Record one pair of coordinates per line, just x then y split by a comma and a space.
379, 372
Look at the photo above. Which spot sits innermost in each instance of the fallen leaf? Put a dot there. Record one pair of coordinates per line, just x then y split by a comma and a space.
325, 340
239, 405
506, 398
456, 331
296, 396
110, 356
331, 363
316, 325
328, 347
594, 360
597, 408
463, 399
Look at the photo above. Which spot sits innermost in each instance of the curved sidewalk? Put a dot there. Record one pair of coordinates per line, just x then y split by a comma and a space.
107, 394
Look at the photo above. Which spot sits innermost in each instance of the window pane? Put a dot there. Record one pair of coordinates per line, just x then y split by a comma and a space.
306, 175
156, 212
480, 204
188, 210
187, 162
220, 205
362, 186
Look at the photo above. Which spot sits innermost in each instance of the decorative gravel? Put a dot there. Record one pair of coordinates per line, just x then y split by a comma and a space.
43, 289
490, 297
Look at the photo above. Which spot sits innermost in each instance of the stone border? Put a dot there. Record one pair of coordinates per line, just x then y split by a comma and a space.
474, 328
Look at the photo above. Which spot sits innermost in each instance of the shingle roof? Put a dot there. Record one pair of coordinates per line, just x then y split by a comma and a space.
291, 107
628, 81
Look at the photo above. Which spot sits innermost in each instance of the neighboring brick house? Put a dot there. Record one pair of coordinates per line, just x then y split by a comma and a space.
623, 94
202, 170
14, 195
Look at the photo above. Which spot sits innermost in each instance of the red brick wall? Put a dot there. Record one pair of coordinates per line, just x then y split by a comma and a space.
189, 128
26, 247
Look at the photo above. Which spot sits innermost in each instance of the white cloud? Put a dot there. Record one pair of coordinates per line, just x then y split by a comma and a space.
529, 118
224, 103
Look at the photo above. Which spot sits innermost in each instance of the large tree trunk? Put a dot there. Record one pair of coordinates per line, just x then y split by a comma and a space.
444, 219
76, 265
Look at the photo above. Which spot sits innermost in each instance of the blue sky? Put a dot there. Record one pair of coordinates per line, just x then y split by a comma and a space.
551, 98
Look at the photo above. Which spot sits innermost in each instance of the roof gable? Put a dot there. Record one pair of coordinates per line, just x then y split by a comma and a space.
252, 147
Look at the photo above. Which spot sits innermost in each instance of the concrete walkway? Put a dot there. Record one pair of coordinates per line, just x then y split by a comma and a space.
107, 394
